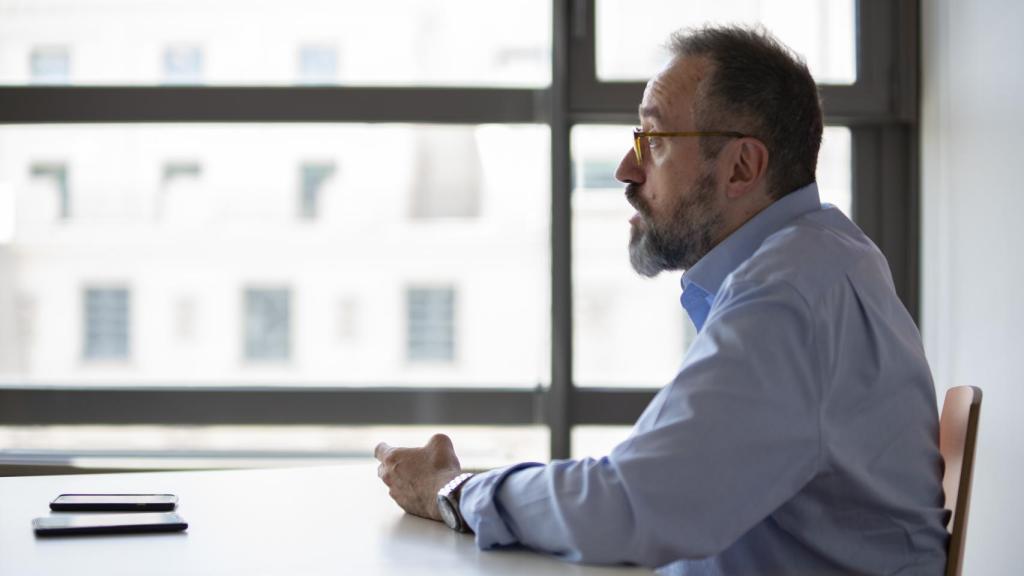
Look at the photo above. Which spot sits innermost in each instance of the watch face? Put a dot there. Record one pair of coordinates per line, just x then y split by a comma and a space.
445, 507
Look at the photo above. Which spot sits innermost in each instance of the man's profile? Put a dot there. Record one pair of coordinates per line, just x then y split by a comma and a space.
800, 435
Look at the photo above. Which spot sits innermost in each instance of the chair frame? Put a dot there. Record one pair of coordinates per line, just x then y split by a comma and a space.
955, 400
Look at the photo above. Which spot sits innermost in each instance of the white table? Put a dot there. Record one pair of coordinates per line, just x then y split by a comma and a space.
334, 520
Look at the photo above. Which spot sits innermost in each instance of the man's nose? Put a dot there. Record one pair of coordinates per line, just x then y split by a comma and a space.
629, 172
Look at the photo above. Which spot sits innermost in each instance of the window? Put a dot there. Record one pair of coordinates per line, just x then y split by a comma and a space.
315, 178
348, 319
431, 324
107, 328
596, 174
448, 174
268, 324
467, 184
50, 65
206, 210
174, 172
180, 199
183, 65
631, 33
185, 319
21, 350
54, 178
318, 64
384, 42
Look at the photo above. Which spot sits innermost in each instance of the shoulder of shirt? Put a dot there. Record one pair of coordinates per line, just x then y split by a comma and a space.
812, 254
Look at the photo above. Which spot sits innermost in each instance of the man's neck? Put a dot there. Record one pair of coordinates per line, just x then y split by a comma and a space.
740, 214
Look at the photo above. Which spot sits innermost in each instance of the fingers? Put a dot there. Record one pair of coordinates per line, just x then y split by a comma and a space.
382, 450
437, 441
440, 441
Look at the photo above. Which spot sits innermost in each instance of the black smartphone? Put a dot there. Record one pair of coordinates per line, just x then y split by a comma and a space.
71, 524
114, 503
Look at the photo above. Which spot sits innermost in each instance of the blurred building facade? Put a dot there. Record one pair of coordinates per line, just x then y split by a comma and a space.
303, 254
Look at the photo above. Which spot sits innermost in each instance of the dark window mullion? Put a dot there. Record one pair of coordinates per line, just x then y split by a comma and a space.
559, 396
91, 104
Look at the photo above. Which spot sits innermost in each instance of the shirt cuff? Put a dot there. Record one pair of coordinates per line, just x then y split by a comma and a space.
480, 509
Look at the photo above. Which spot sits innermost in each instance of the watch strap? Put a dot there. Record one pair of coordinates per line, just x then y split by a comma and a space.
450, 494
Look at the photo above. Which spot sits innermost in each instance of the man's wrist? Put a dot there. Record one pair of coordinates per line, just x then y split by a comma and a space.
448, 499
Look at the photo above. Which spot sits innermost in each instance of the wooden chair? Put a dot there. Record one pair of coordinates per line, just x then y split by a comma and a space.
958, 432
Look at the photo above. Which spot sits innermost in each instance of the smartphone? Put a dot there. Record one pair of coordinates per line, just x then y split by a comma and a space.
71, 524
114, 503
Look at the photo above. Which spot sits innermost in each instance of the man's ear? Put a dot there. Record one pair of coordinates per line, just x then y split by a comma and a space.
745, 167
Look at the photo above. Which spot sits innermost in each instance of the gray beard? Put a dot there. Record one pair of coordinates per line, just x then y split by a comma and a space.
682, 241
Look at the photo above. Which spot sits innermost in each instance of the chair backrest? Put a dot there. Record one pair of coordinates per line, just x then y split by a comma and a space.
958, 433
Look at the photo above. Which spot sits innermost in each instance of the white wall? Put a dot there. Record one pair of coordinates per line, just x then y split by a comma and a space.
973, 233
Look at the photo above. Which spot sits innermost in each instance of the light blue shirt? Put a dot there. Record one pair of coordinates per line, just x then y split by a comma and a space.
800, 435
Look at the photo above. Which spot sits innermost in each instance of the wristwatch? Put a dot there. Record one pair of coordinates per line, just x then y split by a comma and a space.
448, 503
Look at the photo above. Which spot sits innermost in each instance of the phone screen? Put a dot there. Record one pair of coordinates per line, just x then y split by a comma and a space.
107, 520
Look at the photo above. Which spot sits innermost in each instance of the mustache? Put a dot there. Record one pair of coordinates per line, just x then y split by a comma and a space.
635, 200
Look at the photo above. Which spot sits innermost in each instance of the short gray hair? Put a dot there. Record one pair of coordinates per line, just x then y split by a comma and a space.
757, 86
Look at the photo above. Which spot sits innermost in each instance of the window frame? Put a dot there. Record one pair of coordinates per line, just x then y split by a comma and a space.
880, 108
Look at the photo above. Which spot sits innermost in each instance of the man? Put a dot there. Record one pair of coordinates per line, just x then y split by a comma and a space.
800, 435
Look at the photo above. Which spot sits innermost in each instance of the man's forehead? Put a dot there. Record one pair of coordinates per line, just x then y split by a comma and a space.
673, 87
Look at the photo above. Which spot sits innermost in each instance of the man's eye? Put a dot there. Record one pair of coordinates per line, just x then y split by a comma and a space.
653, 141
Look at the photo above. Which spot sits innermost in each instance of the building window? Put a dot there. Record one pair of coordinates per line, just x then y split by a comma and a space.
50, 65
596, 174
448, 174
431, 324
314, 178
185, 318
25, 316
318, 64
267, 324
175, 172
181, 199
183, 65
348, 319
54, 176
107, 329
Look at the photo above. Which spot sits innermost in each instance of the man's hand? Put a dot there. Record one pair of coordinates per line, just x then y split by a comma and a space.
414, 475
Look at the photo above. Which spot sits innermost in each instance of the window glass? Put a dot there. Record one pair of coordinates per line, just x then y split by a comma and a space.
431, 324
597, 441
262, 42
52, 179
318, 64
268, 324
107, 317
628, 330
185, 318
181, 171
183, 65
192, 216
632, 34
446, 193
143, 447
49, 65
315, 177
835, 183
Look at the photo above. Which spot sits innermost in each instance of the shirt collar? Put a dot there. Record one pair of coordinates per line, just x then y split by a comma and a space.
709, 273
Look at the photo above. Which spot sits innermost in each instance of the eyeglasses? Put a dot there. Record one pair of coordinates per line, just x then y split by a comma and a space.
638, 134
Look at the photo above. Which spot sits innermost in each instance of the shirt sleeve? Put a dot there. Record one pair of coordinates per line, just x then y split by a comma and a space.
729, 440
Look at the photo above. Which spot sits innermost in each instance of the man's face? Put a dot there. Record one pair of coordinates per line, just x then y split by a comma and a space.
679, 212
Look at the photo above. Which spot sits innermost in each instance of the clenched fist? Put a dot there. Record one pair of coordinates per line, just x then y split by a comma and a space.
414, 475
